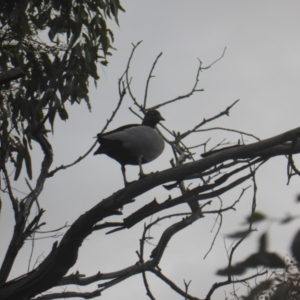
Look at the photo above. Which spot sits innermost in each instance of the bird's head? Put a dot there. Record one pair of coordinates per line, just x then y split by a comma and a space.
152, 117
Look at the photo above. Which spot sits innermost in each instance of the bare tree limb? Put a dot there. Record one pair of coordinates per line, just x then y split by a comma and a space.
55, 266
209, 170
64, 295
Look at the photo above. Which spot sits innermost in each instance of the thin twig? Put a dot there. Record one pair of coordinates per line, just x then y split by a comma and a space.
128, 80
223, 283
149, 77
149, 293
122, 94
193, 90
216, 60
215, 237
80, 158
173, 285
231, 130
13, 200
225, 112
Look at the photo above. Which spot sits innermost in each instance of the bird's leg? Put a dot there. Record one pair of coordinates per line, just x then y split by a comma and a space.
124, 175
142, 174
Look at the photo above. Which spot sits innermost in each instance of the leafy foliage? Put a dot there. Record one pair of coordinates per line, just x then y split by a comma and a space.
261, 258
57, 44
283, 284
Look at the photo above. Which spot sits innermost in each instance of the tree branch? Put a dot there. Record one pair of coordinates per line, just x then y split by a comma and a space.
23, 212
149, 77
173, 285
225, 112
193, 90
128, 80
63, 256
84, 295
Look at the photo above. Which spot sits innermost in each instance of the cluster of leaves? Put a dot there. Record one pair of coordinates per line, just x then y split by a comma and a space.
281, 284
283, 281
57, 44
261, 258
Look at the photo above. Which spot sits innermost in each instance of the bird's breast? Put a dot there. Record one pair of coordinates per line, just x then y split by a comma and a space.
140, 141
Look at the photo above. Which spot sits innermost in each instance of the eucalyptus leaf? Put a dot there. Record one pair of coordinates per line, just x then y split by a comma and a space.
19, 162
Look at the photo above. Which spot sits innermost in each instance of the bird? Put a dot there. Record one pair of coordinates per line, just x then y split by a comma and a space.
133, 144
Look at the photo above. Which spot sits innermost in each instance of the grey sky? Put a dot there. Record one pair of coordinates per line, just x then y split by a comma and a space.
261, 67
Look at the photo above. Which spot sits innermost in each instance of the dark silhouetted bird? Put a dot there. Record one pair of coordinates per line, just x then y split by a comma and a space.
133, 144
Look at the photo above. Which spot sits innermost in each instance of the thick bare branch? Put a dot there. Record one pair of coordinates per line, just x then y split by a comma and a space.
209, 171
64, 295
64, 255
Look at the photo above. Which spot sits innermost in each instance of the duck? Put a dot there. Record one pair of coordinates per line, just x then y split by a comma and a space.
133, 144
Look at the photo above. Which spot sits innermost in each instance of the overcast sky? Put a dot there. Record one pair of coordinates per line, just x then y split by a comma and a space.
261, 67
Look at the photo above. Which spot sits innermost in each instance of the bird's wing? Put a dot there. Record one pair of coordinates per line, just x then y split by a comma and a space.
118, 130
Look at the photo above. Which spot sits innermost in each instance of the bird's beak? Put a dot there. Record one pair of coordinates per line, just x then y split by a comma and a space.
161, 118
